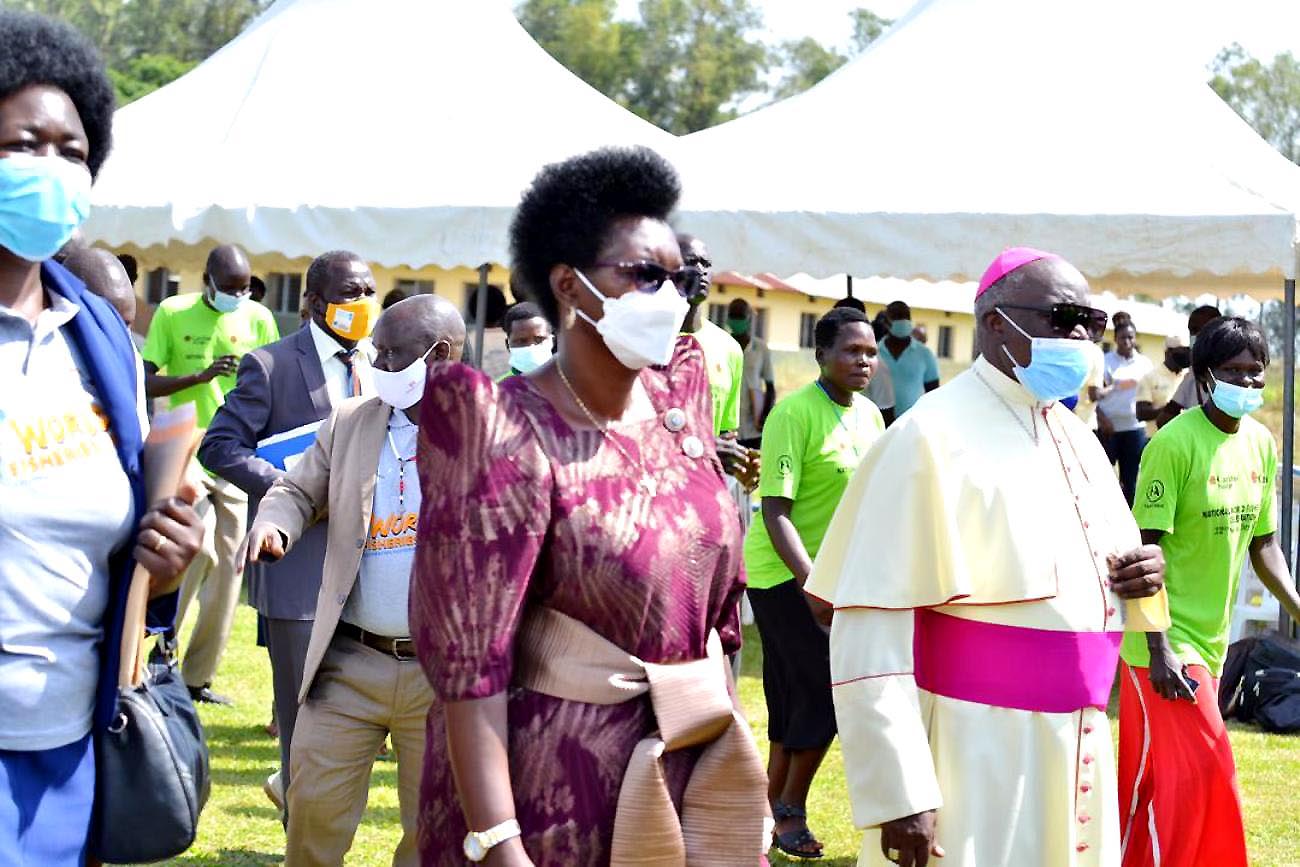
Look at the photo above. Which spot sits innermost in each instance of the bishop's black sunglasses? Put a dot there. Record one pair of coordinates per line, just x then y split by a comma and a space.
1064, 317
649, 276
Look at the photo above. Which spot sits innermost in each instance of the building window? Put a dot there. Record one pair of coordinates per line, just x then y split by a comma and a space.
760, 323
496, 304
414, 287
159, 284
718, 315
944, 348
807, 330
283, 292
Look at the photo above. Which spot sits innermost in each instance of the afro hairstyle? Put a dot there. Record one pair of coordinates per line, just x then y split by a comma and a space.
567, 213
40, 50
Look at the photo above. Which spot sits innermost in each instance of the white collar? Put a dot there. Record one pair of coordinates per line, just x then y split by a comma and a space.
326, 346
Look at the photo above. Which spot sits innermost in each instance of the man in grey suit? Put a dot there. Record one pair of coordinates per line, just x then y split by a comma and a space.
293, 382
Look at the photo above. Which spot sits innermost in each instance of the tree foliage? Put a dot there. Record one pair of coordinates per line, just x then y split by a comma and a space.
148, 43
583, 35
807, 61
1266, 95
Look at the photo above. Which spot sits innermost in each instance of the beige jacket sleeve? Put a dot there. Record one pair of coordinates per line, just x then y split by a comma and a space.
300, 497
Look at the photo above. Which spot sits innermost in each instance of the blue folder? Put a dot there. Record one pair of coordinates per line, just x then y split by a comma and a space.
283, 450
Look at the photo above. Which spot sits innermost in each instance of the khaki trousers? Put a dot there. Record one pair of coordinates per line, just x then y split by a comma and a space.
212, 577
359, 696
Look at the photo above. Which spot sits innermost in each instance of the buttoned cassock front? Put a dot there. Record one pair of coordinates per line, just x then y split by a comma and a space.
984, 505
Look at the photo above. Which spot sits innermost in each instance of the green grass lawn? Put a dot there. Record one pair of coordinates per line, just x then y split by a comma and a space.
240, 827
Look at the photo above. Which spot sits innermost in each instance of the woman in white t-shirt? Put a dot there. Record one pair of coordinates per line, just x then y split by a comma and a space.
1121, 432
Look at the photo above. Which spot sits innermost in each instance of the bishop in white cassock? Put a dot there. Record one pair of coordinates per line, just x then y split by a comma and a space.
978, 567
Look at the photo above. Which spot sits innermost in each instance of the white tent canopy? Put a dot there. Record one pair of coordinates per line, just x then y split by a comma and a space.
404, 130
973, 125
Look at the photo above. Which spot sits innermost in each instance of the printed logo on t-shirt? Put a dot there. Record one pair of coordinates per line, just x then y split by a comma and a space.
36, 443
1155, 492
392, 533
784, 465
1223, 483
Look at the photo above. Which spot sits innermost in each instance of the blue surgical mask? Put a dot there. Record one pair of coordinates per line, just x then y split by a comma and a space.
42, 202
1058, 366
1236, 400
901, 328
526, 359
224, 303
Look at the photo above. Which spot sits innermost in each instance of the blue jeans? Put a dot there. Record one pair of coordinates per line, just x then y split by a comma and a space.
46, 798
1125, 449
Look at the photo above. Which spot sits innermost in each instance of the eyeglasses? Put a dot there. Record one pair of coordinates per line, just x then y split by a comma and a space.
649, 276
1064, 318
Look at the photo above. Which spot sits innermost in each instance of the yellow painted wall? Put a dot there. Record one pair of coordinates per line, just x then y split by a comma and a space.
783, 308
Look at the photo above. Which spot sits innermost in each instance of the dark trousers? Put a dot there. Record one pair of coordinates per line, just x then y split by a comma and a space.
286, 644
1125, 448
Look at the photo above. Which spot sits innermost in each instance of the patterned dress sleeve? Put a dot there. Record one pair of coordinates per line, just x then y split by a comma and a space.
483, 518
691, 388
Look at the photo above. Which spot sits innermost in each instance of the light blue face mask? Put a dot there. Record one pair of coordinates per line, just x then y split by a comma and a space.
224, 303
901, 328
1236, 400
42, 202
526, 359
1058, 366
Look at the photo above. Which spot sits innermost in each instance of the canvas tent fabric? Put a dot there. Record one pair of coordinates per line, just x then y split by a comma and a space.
404, 130
973, 125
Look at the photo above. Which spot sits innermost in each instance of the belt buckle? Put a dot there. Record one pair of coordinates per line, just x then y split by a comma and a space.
398, 654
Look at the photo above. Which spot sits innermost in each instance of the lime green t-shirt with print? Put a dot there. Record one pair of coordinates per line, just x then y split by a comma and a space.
186, 336
1211, 493
811, 447
724, 361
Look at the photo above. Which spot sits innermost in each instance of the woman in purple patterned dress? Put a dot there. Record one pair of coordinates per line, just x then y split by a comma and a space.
590, 487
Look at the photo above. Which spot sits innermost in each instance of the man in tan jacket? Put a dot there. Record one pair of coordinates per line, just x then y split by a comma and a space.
361, 681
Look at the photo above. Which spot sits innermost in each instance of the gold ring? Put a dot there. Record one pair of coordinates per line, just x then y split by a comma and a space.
162, 541
893, 855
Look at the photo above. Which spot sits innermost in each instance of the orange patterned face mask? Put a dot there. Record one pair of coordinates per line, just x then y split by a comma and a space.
353, 320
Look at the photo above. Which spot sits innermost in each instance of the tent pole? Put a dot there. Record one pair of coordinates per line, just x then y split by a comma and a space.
1288, 436
480, 313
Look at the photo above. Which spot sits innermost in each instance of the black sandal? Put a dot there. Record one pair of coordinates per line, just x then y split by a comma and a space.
795, 843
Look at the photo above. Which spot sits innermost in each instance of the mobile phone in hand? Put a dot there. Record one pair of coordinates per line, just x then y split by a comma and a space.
1192, 682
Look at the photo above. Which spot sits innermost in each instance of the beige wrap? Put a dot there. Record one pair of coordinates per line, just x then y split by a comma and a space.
724, 809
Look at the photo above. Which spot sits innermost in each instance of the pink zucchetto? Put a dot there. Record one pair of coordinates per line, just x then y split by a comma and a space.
1007, 261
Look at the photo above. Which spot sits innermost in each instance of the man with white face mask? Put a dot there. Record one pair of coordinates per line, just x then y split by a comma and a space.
361, 682
283, 393
976, 566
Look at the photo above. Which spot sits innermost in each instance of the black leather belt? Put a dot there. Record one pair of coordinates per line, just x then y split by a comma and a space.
401, 649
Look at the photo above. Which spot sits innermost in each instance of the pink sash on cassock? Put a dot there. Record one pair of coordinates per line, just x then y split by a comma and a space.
1013, 666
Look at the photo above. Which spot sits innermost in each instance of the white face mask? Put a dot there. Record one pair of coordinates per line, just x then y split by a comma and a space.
639, 328
401, 389
526, 359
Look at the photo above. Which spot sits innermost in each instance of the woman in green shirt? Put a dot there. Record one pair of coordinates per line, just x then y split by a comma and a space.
812, 442
1205, 495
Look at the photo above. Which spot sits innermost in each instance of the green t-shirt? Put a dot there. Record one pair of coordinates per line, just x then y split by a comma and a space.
811, 446
725, 362
186, 336
1211, 493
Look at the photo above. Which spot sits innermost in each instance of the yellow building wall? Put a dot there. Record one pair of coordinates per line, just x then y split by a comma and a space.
784, 310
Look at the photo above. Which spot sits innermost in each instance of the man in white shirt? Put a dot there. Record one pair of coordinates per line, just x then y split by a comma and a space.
361, 681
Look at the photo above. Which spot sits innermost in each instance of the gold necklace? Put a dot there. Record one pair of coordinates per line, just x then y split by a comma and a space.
647, 483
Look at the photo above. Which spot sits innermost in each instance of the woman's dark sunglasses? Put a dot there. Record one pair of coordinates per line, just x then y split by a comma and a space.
649, 276
1065, 317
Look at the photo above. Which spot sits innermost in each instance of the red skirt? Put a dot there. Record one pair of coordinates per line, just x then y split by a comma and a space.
1179, 804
